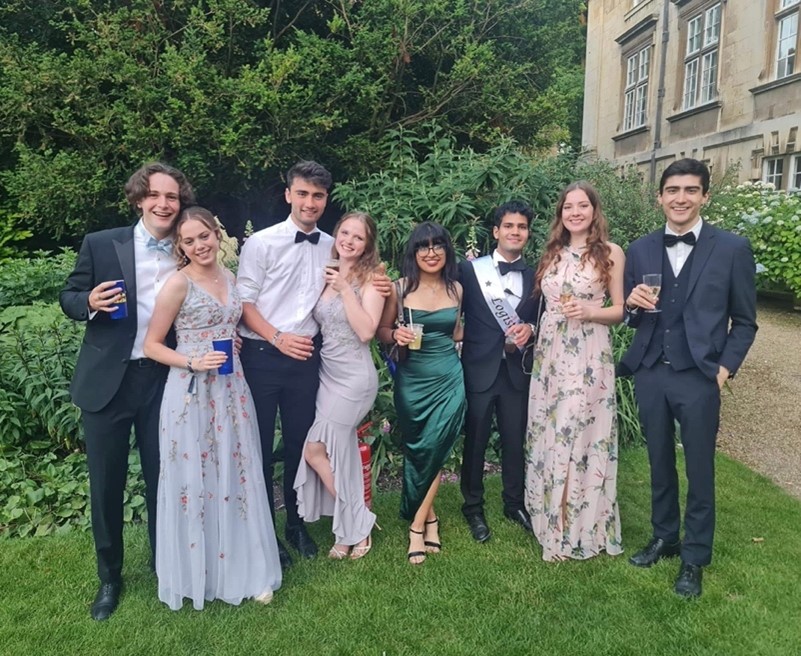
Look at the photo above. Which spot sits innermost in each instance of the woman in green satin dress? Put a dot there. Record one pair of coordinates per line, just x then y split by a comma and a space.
429, 385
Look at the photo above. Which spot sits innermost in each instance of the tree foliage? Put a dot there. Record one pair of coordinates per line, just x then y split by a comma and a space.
233, 91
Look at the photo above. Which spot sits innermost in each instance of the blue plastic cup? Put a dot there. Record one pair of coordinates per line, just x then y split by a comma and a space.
121, 311
227, 347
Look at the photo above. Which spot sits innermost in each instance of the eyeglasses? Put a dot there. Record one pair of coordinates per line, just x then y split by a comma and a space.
437, 249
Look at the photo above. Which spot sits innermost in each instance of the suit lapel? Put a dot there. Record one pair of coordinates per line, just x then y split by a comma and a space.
701, 252
528, 284
654, 252
125, 255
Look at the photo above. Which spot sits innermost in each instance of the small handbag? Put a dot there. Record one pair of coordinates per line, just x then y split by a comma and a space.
527, 361
393, 353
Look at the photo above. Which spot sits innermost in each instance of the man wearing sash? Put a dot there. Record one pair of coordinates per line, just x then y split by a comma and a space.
497, 309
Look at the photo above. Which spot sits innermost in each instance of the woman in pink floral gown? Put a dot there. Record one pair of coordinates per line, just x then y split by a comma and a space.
214, 532
571, 443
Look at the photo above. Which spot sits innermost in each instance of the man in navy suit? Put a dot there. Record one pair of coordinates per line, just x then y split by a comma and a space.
114, 384
681, 356
494, 378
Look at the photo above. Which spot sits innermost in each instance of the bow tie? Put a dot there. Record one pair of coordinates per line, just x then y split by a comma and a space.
687, 238
163, 245
312, 237
506, 267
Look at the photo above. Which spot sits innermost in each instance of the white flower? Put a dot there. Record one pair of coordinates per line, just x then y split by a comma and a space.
761, 268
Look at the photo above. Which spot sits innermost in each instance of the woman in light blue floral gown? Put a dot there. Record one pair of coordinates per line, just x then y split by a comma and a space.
214, 533
571, 443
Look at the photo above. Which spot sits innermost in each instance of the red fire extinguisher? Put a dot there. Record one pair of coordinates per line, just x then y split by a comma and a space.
365, 453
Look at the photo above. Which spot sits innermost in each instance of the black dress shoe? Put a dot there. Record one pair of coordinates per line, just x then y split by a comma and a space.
299, 538
478, 527
688, 583
283, 556
654, 551
521, 517
106, 600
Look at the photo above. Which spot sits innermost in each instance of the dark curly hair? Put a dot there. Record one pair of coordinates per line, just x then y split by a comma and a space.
138, 185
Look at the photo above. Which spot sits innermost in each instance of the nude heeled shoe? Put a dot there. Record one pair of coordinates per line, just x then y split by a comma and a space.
361, 552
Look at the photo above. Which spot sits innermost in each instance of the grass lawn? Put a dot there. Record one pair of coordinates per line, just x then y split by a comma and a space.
498, 598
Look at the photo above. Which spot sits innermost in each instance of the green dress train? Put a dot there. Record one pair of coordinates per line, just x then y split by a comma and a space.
430, 401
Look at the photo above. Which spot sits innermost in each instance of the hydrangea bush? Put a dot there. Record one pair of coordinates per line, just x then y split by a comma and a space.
771, 219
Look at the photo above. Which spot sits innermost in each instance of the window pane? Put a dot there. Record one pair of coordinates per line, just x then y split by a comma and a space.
789, 3
694, 35
690, 83
797, 169
785, 47
774, 170
644, 60
631, 71
709, 76
628, 111
640, 114
712, 32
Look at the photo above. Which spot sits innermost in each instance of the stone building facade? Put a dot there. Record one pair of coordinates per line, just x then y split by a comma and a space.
718, 80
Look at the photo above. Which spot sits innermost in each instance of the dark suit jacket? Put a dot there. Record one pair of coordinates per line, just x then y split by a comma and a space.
720, 308
107, 343
482, 347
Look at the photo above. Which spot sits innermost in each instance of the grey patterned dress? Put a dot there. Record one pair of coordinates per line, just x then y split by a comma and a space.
214, 532
348, 387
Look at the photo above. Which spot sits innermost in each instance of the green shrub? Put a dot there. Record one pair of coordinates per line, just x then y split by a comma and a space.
41, 493
771, 219
38, 349
428, 178
37, 278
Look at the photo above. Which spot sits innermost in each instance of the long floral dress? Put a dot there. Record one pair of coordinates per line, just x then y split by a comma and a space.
214, 532
571, 442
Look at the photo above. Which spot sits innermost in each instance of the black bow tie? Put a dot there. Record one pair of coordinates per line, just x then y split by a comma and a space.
506, 267
312, 237
687, 238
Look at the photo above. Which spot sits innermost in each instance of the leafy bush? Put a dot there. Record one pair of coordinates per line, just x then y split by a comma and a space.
428, 178
41, 493
37, 278
771, 219
38, 349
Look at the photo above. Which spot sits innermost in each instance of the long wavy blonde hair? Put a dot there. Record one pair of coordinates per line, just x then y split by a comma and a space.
369, 260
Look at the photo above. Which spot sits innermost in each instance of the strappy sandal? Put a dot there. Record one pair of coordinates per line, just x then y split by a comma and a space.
431, 546
338, 554
264, 598
415, 554
361, 552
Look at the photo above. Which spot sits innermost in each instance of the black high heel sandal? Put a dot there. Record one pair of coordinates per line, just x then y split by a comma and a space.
433, 547
415, 554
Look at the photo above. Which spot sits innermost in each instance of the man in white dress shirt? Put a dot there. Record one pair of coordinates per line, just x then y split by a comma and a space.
114, 384
280, 278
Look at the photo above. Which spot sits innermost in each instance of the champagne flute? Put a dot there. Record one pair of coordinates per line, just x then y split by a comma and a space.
654, 281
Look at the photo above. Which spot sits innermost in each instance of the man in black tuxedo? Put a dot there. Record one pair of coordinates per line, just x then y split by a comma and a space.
114, 384
496, 288
682, 355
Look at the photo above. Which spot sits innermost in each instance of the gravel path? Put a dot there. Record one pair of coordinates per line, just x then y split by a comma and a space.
761, 414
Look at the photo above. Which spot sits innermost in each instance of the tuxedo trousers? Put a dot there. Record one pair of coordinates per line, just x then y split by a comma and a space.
107, 434
664, 397
509, 405
282, 384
